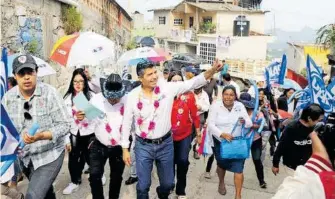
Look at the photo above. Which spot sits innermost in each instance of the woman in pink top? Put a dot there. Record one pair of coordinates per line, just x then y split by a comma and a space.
256, 147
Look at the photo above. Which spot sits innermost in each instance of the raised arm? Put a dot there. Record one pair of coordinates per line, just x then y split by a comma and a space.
196, 82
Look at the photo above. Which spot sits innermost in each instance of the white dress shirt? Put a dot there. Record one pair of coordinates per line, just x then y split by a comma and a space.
202, 100
85, 126
112, 116
291, 107
221, 120
94, 85
162, 117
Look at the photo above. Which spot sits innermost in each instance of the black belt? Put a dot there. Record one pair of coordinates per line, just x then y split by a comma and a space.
155, 141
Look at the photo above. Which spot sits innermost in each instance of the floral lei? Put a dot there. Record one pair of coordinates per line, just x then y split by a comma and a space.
140, 119
108, 129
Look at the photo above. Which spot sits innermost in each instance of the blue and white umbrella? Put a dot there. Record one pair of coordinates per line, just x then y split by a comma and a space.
44, 68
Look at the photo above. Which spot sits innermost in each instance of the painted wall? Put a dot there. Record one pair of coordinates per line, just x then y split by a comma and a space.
225, 22
162, 30
296, 57
242, 48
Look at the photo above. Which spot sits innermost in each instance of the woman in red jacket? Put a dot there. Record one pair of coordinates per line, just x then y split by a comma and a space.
183, 117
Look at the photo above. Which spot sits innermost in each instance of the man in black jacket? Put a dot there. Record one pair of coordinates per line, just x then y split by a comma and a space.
295, 146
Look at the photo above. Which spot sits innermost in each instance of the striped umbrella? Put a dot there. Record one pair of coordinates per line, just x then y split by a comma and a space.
86, 48
133, 57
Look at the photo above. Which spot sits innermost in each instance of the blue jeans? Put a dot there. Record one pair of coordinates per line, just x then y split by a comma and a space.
181, 152
40, 180
17, 170
146, 154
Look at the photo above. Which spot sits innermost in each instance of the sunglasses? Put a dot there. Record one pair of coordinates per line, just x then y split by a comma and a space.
26, 114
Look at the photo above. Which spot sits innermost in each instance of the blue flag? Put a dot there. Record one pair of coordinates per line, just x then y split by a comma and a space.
9, 137
275, 72
318, 91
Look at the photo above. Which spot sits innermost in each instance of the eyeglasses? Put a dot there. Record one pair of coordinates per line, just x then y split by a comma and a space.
78, 82
26, 114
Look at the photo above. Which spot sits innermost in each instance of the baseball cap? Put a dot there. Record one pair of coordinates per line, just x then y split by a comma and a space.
24, 61
166, 71
190, 69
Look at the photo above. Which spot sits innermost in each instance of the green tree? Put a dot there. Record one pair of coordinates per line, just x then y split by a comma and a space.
32, 47
326, 37
72, 19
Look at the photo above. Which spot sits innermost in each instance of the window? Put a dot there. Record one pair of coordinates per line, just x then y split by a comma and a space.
208, 51
161, 20
207, 19
178, 22
174, 47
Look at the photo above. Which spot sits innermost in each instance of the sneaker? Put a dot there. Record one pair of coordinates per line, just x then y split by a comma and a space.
208, 175
103, 179
70, 188
182, 197
263, 185
196, 155
131, 180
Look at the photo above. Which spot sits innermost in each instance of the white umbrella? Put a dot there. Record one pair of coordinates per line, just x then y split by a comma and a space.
137, 55
87, 48
44, 68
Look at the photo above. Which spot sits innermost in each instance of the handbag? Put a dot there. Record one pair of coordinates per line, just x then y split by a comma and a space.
238, 148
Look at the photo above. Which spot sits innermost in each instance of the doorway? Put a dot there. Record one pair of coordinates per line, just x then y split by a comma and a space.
191, 22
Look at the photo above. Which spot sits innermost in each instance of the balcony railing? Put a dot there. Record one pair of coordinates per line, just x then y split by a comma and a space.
188, 35
248, 69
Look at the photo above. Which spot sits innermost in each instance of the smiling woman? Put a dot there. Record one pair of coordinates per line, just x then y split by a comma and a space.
225, 123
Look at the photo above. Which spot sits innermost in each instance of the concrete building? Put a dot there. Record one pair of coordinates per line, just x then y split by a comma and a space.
141, 27
213, 29
297, 54
23, 21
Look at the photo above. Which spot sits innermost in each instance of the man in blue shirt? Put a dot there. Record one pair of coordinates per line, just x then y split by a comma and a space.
224, 70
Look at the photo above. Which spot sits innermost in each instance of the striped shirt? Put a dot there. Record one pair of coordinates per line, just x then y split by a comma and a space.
47, 108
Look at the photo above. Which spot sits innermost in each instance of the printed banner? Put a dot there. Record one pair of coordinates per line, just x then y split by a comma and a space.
318, 90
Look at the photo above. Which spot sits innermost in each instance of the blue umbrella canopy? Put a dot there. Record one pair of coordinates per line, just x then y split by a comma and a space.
147, 41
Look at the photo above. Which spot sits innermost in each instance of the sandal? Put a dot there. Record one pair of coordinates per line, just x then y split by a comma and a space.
222, 189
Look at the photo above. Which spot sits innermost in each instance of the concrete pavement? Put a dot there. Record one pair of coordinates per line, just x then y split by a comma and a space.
197, 188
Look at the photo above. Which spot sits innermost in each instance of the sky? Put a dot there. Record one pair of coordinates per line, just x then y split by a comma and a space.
289, 15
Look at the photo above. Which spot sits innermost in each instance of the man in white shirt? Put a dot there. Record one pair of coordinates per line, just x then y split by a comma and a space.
107, 144
149, 106
226, 78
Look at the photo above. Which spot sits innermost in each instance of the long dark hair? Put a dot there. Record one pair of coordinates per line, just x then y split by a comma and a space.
174, 73
86, 89
270, 97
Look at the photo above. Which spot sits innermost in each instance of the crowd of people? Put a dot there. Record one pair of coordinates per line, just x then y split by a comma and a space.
154, 121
